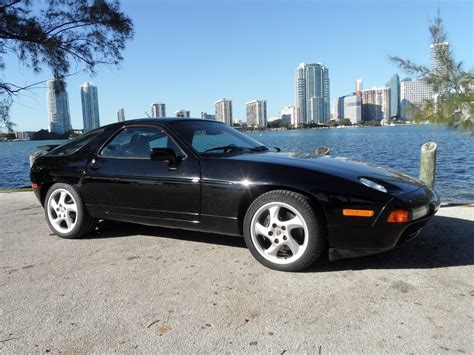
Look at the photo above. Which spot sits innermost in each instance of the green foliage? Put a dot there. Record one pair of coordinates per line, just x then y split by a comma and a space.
454, 102
43, 134
373, 123
345, 122
279, 123
5, 122
58, 34
6, 136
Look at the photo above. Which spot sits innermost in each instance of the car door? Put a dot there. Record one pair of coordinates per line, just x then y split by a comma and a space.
122, 182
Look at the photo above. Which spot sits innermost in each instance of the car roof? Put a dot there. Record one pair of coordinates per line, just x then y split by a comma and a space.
162, 120
165, 120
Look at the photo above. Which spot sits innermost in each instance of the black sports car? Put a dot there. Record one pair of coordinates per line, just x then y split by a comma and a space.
206, 176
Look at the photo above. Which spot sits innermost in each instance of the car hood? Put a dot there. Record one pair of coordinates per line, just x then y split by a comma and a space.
393, 180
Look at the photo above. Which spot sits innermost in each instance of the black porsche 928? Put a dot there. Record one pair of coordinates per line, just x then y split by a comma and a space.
205, 176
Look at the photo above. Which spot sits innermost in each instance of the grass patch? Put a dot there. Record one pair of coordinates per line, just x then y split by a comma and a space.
17, 189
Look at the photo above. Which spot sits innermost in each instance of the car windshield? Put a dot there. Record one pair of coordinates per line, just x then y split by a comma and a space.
207, 137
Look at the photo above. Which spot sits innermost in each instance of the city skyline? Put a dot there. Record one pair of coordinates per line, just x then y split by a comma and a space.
311, 101
256, 71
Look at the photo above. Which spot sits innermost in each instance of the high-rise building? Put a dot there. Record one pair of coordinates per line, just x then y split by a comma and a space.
312, 93
300, 91
288, 115
90, 106
438, 50
183, 113
158, 109
120, 115
375, 104
256, 113
359, 87
413, 92
353, 108
224, 111
338, 109
206, 116
58, 107
394, 85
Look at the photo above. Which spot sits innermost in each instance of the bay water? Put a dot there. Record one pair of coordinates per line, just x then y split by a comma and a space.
396, 147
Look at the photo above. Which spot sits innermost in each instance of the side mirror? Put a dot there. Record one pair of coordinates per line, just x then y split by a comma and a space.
163, 154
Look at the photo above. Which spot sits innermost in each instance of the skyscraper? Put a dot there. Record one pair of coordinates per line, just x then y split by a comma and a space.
353, 108
359, 87
183, 113
394, 85
338, 109
224, 111
413, 92
207, 116
158, 109
121, 115
312, 93
256, 113
300, 88
438, 50
375, 104
90, 106
58, 107
288, 115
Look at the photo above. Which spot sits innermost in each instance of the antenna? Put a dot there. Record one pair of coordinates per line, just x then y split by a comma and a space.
146, 113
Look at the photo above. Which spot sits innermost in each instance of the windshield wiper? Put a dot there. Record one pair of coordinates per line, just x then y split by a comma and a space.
260, 148
232, 147
225, 148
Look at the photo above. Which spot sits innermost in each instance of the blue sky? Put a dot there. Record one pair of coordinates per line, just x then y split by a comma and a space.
189, 54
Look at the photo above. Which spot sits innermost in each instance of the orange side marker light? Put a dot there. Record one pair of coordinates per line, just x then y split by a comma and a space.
357, 213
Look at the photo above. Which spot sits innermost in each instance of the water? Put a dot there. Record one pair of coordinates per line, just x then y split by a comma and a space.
15, 163
396, 147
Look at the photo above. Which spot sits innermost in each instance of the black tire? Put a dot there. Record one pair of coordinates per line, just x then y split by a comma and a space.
84, 223
316, 236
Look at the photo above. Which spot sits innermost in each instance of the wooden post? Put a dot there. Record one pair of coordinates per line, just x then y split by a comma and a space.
428, 163
322, 151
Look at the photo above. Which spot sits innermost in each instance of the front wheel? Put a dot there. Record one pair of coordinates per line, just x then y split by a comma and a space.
283, 232
65, 212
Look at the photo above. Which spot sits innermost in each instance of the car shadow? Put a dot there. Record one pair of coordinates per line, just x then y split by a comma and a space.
444, 242
112, 229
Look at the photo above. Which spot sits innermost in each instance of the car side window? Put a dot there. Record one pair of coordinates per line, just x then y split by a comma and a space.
75, 145
137, 142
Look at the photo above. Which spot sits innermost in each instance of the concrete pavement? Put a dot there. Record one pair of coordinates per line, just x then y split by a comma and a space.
142, 289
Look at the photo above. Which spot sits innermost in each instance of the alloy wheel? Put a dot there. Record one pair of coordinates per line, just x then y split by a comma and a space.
279, 232
62, 211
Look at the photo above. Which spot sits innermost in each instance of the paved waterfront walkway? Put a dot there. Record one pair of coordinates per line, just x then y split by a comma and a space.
132, 288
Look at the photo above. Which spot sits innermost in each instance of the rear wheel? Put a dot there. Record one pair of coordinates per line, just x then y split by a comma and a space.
65, 212
283, 232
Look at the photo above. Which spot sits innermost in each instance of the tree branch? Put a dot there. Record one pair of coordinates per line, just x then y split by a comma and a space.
5, 6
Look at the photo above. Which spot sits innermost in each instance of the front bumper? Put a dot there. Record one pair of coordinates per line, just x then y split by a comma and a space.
356, 241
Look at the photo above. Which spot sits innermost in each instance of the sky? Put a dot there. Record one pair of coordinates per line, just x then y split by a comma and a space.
191, 53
